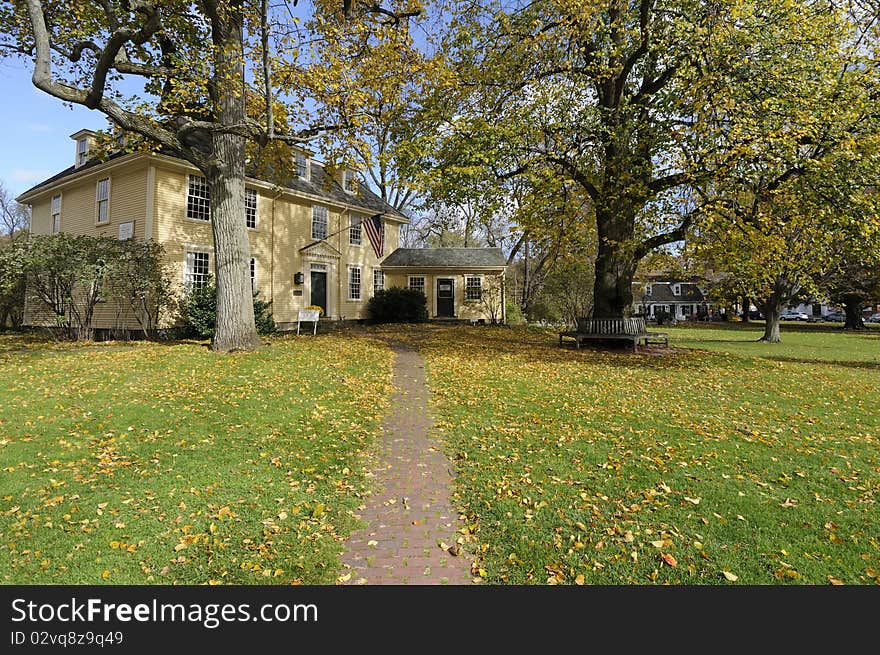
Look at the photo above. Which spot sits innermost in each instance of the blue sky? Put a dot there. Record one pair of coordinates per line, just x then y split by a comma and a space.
36, 129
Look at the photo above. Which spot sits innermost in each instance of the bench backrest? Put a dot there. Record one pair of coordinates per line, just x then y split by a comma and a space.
308, 315
632, 325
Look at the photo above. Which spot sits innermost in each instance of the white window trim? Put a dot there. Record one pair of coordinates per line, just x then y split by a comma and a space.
194, 247
52, 214
186, 201
360, 224
98, 220
197, 249
360, 270
326, 222
482, 279
84, 154
424, 278
347, 176
253, 269
256, 208
308, 168
377, 269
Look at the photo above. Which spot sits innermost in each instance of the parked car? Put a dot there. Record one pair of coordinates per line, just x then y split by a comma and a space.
793, 316
834, 317
873, 318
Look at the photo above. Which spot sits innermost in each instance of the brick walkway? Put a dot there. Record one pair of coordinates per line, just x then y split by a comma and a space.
409, 515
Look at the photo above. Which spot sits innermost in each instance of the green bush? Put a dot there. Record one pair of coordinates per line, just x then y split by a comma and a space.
198, 313
398, 305
263, 315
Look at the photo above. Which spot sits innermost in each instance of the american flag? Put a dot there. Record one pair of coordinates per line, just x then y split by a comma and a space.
376, 232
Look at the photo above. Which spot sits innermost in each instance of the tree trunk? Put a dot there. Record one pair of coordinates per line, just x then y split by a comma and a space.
746, 303
235, 328
615, 268
852, 305
771, 311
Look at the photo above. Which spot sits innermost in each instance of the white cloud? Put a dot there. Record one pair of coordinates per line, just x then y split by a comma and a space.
27, 176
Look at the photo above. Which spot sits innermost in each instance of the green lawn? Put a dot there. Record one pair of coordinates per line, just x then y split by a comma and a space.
800, 343
169, 464
738, 462
751, 463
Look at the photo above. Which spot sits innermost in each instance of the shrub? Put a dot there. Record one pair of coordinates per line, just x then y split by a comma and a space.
198, 313
263, 315
68, 275
398, 305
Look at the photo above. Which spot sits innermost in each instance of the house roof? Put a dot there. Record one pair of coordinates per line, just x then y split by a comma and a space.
446, 258
93, 163
320, 184
662, 292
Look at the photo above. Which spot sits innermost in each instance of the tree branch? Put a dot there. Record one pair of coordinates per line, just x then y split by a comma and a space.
43, 80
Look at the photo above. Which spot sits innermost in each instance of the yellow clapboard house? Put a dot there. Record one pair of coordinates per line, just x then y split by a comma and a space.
313, 240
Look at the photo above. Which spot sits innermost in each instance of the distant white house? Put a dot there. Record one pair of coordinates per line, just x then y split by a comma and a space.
684, 300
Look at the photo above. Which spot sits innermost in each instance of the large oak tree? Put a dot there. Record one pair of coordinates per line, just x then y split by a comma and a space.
192, 61
636, 102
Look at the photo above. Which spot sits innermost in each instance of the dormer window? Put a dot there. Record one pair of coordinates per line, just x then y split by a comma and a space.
84, 140
302, 166
349, 181
647, 289
676, 289
82, 151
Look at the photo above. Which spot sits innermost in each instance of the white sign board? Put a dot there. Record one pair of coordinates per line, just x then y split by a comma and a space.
309, 315
126, 230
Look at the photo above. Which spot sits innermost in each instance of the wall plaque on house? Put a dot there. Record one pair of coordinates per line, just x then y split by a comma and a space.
297, 292
126, 230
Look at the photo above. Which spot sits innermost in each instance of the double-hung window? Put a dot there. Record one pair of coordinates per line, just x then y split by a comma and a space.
417, 283
56, 214
349, 181
198, 202
302, 166
253, 274
354, 282
355, 231
473, 288
250, 208
319, 222
82, 152
378, 280
198, 270
102, 197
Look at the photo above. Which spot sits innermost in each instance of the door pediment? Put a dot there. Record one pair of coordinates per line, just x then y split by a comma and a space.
320, 250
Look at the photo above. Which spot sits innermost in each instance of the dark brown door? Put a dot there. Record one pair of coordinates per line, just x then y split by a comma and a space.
319, 290
445, 298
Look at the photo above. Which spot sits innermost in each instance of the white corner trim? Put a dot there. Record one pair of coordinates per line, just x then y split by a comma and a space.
150, 202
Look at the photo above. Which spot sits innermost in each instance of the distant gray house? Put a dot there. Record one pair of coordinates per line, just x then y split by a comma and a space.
683, 300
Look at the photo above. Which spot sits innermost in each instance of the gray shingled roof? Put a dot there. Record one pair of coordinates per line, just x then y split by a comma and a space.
447, 258
317, 185
92, 163
662, 292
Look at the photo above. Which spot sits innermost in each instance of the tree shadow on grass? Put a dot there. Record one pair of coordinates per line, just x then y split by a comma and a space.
875, 366
491, 344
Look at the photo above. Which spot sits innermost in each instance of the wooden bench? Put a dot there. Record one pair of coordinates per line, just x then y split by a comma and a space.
619, 329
